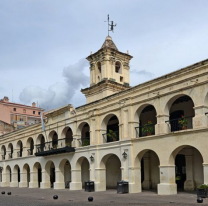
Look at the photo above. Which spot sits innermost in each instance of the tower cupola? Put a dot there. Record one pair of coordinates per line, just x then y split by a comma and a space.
109, 71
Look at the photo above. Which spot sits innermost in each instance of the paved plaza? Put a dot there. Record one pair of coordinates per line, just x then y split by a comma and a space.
44, 197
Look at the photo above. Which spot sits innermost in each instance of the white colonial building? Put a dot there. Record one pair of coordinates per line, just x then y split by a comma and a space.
153, 135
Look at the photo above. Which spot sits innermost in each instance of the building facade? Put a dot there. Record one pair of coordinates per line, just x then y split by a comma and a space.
19, 115
153, 135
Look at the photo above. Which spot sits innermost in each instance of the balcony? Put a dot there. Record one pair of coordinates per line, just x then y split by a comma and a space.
54, 147
182, 123
111, 136
146, 130
84, 141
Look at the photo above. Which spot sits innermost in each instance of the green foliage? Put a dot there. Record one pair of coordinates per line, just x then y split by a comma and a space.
86, 142
148, 128
68, 144
55, 146
183, 121
112, 135
203, 186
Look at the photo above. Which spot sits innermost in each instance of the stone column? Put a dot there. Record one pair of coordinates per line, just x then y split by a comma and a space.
24, 152
59, 184
45, 180
200, 120
162, 127
76, 183
14, 182
167, 184
135, 180
77, 140
120, 131
5, 179
189, 184
146, 184
92, 168
23, 179
33, 180
205, 168
100, 183
92, 131
14, 155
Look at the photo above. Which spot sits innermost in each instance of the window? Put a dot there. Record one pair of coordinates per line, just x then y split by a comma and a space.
99, 67
38, 113
21, 119
24, 110
33, 112
14, 109
121, 79
118, 67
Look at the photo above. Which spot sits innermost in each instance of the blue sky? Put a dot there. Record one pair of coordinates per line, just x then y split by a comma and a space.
43, 43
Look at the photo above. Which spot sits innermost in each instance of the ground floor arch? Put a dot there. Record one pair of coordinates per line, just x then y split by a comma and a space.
65, 173
110, 172
147, 177
8, 174
25, 176
35, 176
188, 167
50, 173
15, 176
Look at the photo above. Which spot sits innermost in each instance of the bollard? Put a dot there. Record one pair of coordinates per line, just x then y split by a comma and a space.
199, 200
90, 199
3, 192
55, 197
9, 193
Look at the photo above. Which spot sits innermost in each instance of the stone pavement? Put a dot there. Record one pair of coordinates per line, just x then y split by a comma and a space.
44, 197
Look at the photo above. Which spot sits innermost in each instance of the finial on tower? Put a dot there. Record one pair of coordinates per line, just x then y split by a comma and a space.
111, 25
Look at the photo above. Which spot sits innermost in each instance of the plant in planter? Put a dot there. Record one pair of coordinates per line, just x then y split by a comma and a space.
68, 144
202, 190
55, 146
112, 135
183, 122
148, 128
86, 142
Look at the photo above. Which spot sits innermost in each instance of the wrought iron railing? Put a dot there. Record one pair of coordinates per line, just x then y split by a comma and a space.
111, 136
145, 130
53, 145
19, 153
182, 123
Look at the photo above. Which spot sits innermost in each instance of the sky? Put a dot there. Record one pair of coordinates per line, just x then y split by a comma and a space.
44, 43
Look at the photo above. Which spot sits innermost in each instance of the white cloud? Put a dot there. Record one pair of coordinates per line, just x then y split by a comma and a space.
59, 93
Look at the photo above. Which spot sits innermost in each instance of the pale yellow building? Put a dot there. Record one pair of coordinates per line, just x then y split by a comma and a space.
153, 135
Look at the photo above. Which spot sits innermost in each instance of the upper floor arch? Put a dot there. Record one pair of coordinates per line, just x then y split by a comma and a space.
110, 128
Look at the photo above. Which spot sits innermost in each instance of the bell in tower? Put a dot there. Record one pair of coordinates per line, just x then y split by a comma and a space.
109, 72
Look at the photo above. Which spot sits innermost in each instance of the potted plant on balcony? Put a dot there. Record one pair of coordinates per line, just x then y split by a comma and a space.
86, 142
148, 128
183, 122
202, 191
112, 135
68, 144
55, 146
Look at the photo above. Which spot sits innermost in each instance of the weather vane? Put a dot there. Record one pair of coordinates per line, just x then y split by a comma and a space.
110, 25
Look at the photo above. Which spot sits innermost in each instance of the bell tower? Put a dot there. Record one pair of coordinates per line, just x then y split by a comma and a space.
109, 71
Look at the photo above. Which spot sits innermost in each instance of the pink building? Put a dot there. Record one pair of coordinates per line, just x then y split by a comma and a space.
19, 115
